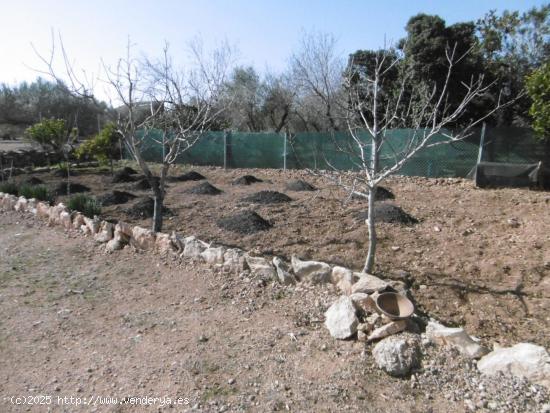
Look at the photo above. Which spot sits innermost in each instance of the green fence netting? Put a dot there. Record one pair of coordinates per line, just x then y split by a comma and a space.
339, 151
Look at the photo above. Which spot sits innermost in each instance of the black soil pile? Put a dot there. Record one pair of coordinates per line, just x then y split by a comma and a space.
123, 176
267, 197
189, 176
246, 180
61, 188
62, 173
33, 180
382, 194
204, 189
115, 198
389, 213
128, 170
246, 222
144, 208
143, 184
299, 185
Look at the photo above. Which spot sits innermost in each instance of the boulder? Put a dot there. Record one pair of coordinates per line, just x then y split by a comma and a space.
368, 284
313, 271
124, 229
177, 241
193, 247
283, 272
65, 220
523, 360
398, 355
260, 267
340, 318
454, 337
362, 301
233, 260
120, 239
85, 230
21, 204
31, 205
105, 233
386, 330
9, 202
213, 255
55, 213
163, 243
142, 238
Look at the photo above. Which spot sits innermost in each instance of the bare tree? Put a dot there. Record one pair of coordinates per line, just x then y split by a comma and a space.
373, 111
159, 102
316, 70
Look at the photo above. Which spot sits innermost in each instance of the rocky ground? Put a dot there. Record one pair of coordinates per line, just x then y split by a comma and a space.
79, 323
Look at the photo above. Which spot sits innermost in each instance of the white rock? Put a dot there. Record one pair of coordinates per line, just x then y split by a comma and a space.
177, 241
454, 337
78, 220
114, 245
386, 330
283, 272
105, 233
343, 278
142, 238
65, 220
43, 210
193, 247
233, 260
31, 205
92, 224
522, 360
21, 204
213, 255
340, 318
55, 212
397, 355
260, 267
362, 301
368, 284
124, 229
163, 243
9, 202
313, 271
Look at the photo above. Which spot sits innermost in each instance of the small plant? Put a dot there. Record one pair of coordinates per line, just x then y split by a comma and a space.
39, 192
87, 205
9, 188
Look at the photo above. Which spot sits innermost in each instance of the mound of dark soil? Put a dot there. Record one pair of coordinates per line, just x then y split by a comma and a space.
389, 213
123, 176
128, 170
299, 185
246, 180
61, 188
246, 222
204, 189
267, 197
382, 194
33, 180
144, 208
115, 198
144, 184
189, 176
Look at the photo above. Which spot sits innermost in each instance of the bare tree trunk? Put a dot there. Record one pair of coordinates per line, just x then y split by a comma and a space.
157, 211
371, 219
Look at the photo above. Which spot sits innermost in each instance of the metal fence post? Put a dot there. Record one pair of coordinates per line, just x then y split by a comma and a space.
481, 144
284, 151
225, 149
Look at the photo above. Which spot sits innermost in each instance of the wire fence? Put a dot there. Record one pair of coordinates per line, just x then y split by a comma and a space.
337, 150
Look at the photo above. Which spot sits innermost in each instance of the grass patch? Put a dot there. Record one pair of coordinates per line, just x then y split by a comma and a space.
39, 192
86, 204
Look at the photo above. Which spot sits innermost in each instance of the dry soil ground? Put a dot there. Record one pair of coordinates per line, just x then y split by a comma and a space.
478, 258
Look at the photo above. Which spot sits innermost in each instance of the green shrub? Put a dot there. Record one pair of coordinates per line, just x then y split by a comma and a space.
85, 204
39, 192
9, 188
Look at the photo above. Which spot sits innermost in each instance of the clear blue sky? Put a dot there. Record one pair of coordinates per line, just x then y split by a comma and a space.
265, 31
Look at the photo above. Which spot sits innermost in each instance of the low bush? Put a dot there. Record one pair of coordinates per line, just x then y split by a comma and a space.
87, 205
9, 188
39, 192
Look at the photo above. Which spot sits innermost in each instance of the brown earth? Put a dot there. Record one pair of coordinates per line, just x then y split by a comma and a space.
477, 258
